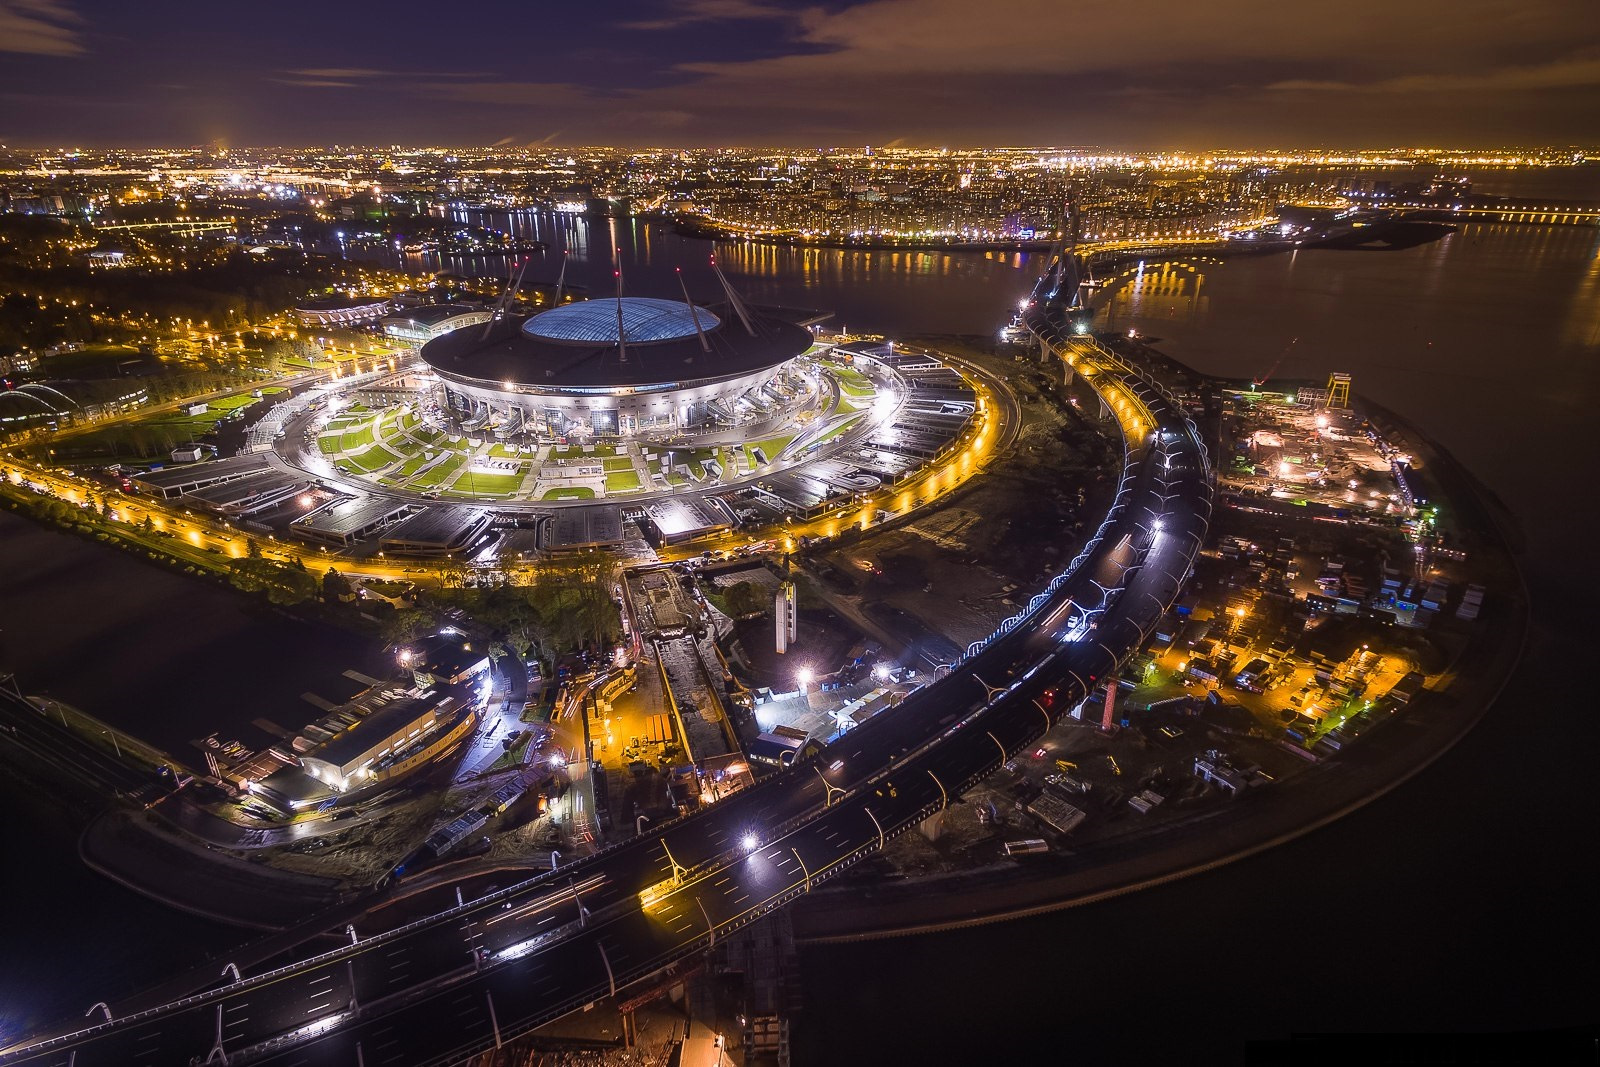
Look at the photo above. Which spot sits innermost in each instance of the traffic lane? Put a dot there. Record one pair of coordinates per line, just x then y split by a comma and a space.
823, 837
301, 998
447, 1022
664, 867
524, 993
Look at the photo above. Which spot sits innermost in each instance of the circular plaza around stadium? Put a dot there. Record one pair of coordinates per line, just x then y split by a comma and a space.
684, 418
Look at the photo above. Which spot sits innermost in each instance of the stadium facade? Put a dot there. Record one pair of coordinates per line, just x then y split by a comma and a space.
629, 366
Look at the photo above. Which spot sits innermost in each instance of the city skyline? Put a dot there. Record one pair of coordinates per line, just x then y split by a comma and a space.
750, 533
732, 72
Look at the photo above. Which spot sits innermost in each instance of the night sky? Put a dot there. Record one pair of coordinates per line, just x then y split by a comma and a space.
1145, 74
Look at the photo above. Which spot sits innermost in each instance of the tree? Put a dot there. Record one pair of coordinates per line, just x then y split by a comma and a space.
744, 598
336, 588
407, 625
283, 585
453, 572
252, 548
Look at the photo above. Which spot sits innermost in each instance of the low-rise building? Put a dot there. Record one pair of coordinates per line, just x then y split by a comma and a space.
419, 325
391, 740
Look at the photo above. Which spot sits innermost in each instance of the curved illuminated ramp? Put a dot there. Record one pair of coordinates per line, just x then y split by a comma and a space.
458, 982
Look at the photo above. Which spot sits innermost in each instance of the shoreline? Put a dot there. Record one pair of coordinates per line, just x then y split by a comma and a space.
987, 895
1438, 721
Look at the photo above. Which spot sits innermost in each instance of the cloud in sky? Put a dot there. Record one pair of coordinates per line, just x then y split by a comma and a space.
691, 12
1560, 74
958, 72
40, 27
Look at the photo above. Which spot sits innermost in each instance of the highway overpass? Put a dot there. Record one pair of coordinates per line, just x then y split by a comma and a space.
464, 980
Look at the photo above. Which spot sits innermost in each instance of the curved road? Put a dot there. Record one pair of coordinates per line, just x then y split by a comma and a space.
455, 983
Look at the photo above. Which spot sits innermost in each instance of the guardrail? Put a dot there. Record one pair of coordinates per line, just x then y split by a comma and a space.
1036, 604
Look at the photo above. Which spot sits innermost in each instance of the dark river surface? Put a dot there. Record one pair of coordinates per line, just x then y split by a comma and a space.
1462, 901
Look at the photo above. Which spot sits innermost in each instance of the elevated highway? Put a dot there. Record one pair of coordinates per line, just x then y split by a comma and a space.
470, 977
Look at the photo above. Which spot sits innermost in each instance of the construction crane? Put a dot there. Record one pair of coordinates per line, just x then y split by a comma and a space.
1257, 383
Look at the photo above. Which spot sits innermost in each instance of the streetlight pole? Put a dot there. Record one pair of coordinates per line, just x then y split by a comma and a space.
710, 926
494, 1021
610, 976
877, 824
829, 788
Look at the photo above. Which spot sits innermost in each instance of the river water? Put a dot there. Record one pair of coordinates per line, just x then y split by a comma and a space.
1464, 901
1461, 901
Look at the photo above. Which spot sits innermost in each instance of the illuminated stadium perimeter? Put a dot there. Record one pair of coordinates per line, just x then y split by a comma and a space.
629, 367
689, 419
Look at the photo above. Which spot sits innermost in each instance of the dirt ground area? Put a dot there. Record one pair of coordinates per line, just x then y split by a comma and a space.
965, 564
824, 639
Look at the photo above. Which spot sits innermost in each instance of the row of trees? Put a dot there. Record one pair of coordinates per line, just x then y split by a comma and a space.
283, 583
569, 606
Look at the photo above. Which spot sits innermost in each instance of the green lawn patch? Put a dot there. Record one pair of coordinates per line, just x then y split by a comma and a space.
358, 438
853, 383
617, 463
577, 451
575, 492
329, 443
372, 459
622, 481
409, 467
473, 483
835, 432
770, 447
231, 403
436, 476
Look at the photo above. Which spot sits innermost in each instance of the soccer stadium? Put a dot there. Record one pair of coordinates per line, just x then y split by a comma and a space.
630, 367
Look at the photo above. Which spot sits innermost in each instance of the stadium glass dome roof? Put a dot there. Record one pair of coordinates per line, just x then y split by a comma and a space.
644, 320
